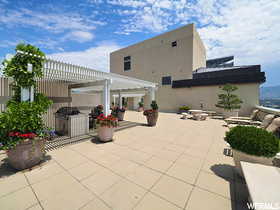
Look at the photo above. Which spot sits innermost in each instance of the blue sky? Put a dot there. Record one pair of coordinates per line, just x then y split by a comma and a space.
86, 31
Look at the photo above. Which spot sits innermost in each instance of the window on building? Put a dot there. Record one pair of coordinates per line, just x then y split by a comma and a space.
174, 44
166, 80
127, 63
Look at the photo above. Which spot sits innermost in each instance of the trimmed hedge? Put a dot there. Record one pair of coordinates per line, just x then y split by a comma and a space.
253, 141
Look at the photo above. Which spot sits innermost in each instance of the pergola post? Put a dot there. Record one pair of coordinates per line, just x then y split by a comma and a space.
152, 94
114, 98
106, 97
120, 100
27, 94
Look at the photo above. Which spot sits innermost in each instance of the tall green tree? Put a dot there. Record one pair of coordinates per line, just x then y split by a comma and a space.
228, 100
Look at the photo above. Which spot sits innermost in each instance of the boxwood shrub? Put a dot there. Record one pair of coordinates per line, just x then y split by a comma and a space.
253, 141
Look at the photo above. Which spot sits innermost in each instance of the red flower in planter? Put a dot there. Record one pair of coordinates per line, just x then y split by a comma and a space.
149, 112
24, 135
28, 135
109, 121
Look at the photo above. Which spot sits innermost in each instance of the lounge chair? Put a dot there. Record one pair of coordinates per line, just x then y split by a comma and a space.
252, 120
265, 124
253, 116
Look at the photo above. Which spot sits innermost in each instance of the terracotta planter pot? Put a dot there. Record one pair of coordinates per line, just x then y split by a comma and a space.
105, 134
27, 154
121, 116
152, 119
241, 156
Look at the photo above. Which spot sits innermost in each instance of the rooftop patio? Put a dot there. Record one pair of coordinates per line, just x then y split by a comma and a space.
179, 164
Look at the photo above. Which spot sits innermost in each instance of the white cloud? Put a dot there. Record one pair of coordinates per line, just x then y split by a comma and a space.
94, 57
54, 22
8, 43
46, 43
128, 3
79, 36
145, 15
245, 28
96, 1
248, 29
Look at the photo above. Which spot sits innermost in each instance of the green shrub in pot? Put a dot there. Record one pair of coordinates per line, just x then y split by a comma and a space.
253, 141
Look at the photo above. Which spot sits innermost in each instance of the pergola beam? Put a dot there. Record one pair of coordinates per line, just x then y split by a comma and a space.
118, 90
88, 84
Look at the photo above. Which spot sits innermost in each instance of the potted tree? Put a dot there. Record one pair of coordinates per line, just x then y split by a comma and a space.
229, 101
106, 127
22, 131
140, 106
252, 144
152, 114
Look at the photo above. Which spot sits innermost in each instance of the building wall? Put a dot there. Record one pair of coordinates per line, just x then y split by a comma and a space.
84, 99
208, 96
85, 102
154, 58
130, 103
199, 52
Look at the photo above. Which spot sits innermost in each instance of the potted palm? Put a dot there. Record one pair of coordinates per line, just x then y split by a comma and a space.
22, 131
152, 114
252, 144
229, 101
140, 106
106, 125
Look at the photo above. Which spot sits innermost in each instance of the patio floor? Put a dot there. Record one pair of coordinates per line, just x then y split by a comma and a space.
179, 164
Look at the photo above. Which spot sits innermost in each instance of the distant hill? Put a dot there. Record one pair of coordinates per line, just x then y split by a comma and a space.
272, 92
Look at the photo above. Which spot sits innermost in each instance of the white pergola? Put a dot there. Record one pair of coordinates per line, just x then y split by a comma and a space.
84, 79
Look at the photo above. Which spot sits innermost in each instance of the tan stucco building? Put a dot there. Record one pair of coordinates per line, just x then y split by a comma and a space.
176, 60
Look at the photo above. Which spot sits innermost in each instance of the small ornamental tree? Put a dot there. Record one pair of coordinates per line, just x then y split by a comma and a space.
22, 120
227, 100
